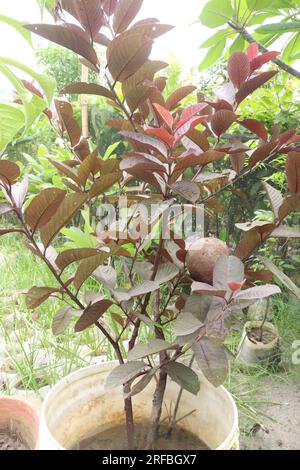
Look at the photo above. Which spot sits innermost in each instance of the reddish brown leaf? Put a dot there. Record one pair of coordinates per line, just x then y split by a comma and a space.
184, 125
65, 170
37, 295
253, 84
104, 183
261, 153
65, 112
67, 209
125, 12
81, 88
192, 110
43, 207
256, 127
9, 172
68, 257
293, 172
259, 61
289, 205
102, 40
127, 53
275, 198
162, 134
187, 189
286, 136
165, 115
198, 160
67, 38
92, 314
89, 13
199, 138
222, 120
178, 96
88, 266
237, 162
238, 68
141, 163
147, 141
109, 6
252, 51
249, 244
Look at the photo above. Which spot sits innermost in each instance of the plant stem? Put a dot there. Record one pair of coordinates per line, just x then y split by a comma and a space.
264, 320
161, 384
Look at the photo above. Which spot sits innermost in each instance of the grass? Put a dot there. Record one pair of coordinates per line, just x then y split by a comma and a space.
41, 359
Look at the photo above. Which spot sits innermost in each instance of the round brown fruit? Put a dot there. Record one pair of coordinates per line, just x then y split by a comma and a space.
202, 257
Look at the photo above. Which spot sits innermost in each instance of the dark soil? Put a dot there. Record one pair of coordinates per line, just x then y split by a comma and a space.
255, 336
116, 439
10, 441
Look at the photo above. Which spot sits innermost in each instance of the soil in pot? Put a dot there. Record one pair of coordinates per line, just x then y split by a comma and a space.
116, 439
11, 441
257, 337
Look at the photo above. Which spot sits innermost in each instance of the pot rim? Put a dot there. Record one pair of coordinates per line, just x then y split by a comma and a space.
107, 366
267, 326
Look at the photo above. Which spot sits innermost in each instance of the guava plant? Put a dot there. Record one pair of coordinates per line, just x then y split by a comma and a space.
170, 160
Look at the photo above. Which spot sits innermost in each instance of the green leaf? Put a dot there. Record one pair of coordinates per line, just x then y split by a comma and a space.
217, 37
11, 122
216, 13
48, 84
214, 53
184, 377
18, 26
291, 47
237, 45
291, 26
33, 105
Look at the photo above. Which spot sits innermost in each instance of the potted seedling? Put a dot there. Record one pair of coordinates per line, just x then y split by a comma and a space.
260, 342
182, 288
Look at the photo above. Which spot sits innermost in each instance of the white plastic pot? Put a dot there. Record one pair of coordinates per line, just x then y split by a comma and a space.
79, 408
251, 353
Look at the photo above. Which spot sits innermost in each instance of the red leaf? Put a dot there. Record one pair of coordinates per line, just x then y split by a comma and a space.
162, 134
191, 111
235, 286
238, 68
222, 120
259, 61
165, 115
256, 127
252, 51
183, 127
178, 96
253, 84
